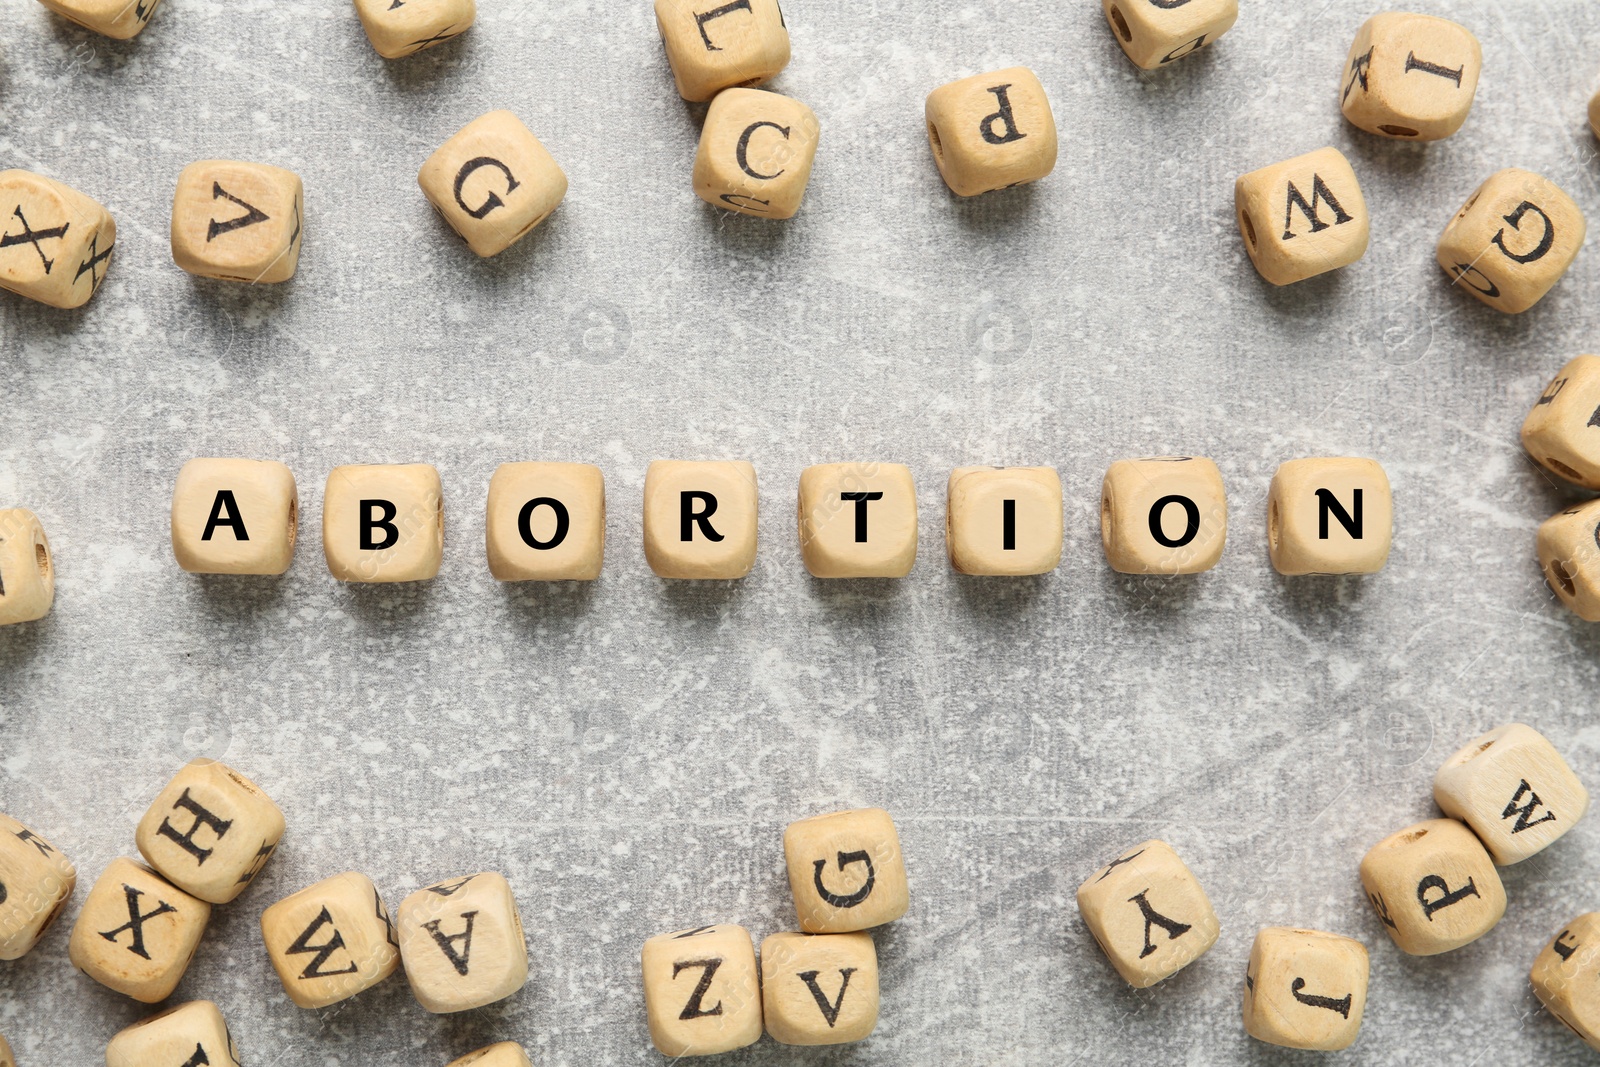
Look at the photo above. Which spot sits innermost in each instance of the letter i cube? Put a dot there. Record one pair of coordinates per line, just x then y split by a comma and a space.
462, 944
35, 882
1512, 241
1411, 77
186, 1036
55, 242
991, 131
1305, 989
1302, 217
383, 522
137, 933
408, 27
210, 831
714, 45
27, 573
702, 992
1329, 516
1154, 33
1004, 520
1514, 789
846, 871
1564, 977
1433, 887
1569, 553
755, 154
1148, 913
1562, 432
1163, 515
819, 989
493, 182
234, 516
331, 940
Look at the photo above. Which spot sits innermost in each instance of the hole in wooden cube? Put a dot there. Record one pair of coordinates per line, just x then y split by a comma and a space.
55, 242
1513, 789
702, 992
1512, 242
1302, 217
1410, 76
1562, 432
493, 182
35, 882
1156, 32
1569, 552
502, 1054
193, 1033
1004, 520
120, 20
546, 522
846, 871
713, 45
137, 932
858, 520
234, 516
1433, 886
383, 522
700, 519
991, 131
819, 989
27, 575
1305, 989
405, 28
210, 831
1148, 913
238, 222
1163, 515
1329, 516
1563, 977
462, 944
755, 153
331, 940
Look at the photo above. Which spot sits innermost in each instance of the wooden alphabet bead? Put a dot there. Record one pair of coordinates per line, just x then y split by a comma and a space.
503, 1054
27, 572
238, 222
1148, 913
1329, 516
1305, 989
1156, 32
1512, 241
6, 1058
234, 516
55, 242
383, 522
35, 882
700, 519
1569, 554
819, 989
755, 155
190, 1034
1513, 789
858, 520
120, 20
846, 871
1562, 432
991, 131
546, 522
1302, 217
1410, 77
210, 831
712, 45
1563, 977
1433, 887
407, 27
1594, 114
137, 932
1004, 520
702, 992
331, 940
1163, 515
493, 182
462, 944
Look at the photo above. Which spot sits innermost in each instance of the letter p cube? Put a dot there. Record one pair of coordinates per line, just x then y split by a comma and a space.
991, 131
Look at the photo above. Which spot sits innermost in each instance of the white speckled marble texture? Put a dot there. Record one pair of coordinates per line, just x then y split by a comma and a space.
627, 752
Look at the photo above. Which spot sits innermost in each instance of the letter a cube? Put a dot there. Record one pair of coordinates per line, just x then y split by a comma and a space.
234, 516
1329, 516
991, 131
210, 831
383, 522
1512, 241
189, 1035
1302, 217
137, 933
1433, 886
1148, 913
702, 992
330, 941
493, 182
755, 154
27, 572
819, 989
1513, 789
35, 882
1305, 989
846, 871
462, 944
1564, 977
55, 242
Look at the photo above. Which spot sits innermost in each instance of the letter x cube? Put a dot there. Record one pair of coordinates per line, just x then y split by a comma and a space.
137, 932
55, 242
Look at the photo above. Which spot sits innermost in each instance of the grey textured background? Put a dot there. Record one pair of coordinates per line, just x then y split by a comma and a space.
627, 752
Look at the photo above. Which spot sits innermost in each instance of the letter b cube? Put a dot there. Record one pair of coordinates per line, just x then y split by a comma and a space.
991, 131
702, 993
846, 871
234, 516
210, 831
1148, 913
330, 941
383, 522
1305, 989
1514, 789
1329, 516
1433, 886
462, 944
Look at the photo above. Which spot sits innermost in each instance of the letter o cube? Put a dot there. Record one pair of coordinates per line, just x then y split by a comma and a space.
700, 519
1004, 520
1163, 515
1513, 789
331, 940
702, 992
210, 831
1154, 34
1569, 554
1563, 977
192, 1033
1562, 432
37, 881
137, 933
846, 871
991, 131
1302, 217
1512, 241
714, 45
462, 944
502, 1054
234, 516
1433, 887
755, 154
1305, 989
819, 989
493, 182
27, 571
858, 520
406, 28
121, 20
1411, 77
1329, 516
1148, 914
383, 522
238, 222
57, 241
546, 522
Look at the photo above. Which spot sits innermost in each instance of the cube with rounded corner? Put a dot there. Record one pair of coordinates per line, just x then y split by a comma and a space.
1433, 886
846, 871
192, 1033
702, 991
6, 1058
1148, 913
410, 26
501, 1054
1305, 989
137, 932
858, 520
546, 522
210, 831
1004, 520
1564, 977
238, 222
37, 881
755, 154
493, 182
1302, 217
991, 131
1154, 33
1513, 789
27, 570
383, 522
1569, 554
1163, 515
331, 940
1562, 432
713, 45
1512, 241
1329, 516
55, 242
700, 518
234, 516
121, 20
1410, 77
461, 943
819, 989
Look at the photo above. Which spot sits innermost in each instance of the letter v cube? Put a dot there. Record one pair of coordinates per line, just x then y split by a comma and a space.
1148, 913
462, 944
210, 831
331, 940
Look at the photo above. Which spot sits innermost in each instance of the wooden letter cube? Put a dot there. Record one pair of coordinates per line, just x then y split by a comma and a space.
846, 871
137, 933
1163, 515
546, 522
120, 20
1302, 217
462, 944
55, 242
755, 154
991, 131
1329, 516
1564, 977
1594, 114
330, 941
1514, 789
493, 182
404, 27
1562, 432
1156, 32
35, 882
714, 45
1410, 76
1004, 520
1305, 989
503, 1054
819, 989
383, 522
1569, 553
1148, 914
858, 520
239, 222
1433, 886
6, 1058
234, 516
210, 831
702, 993
27, 573
193, 1033
700, 519
1512, 241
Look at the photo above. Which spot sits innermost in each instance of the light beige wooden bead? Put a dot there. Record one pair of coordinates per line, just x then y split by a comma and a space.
1302, 217
1154, 34
27, 570
462, 944
991, 131
1512, 241
6, 1058
1329, 516
546, 522
383, 522
55, 242
190, 1034
1569, 553
1513, 789
700, 518
858, 520
210, 831
238, 222
846, 871
399, 28
1181, 498
1305, 989
331, 940
1562, 432
1148, 913
120, 20
714, 45
137, 933
1004, 520
755, 155
1433, 886
1411, 77
702, 992
819, 989
1594, 114
35, 882
1563, 977
493, 182
503, 1054
234, 516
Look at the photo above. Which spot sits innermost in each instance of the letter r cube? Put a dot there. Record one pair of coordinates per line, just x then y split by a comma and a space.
1148, 913
210, 831
846, 871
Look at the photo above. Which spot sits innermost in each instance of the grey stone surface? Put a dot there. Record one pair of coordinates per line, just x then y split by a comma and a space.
628, 752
